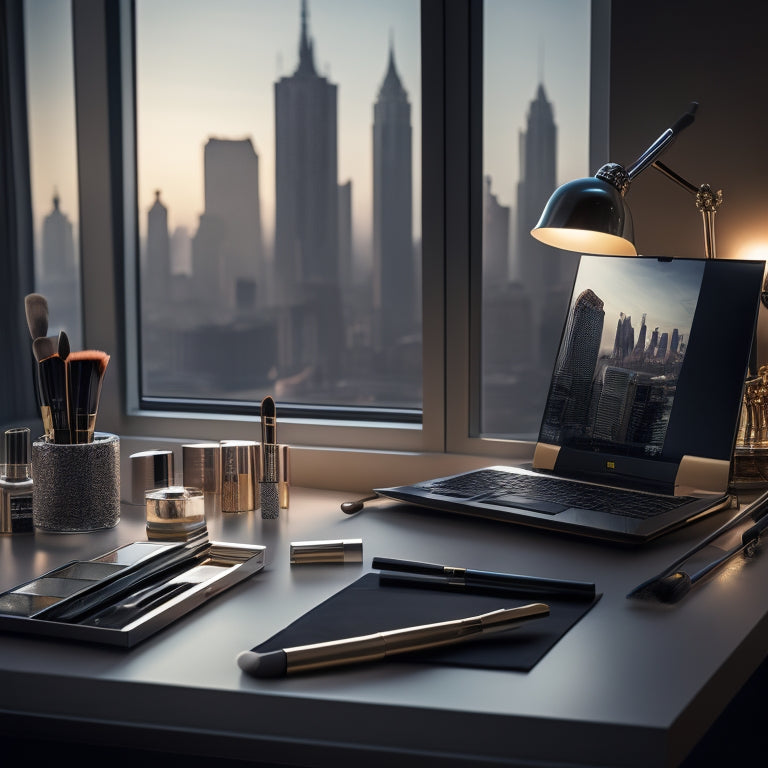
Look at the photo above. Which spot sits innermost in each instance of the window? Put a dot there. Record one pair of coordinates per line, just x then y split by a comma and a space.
53, 162
536, 110
278, 167
455, 390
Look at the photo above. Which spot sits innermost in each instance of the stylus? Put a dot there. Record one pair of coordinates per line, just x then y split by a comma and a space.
310, 658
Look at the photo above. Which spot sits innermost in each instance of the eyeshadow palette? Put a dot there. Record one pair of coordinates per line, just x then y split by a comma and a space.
129, 593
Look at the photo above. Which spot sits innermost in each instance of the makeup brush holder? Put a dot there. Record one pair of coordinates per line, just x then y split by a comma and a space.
76, 486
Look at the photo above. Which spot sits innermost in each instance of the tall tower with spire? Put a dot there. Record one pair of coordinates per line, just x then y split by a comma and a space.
58, 278
306, 216
543, 270
157, 271
394, 296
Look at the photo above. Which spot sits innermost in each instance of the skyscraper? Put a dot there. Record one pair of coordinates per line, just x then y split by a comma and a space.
228, 252
495, 241
571, 386
394, 299
58, 279
546, 272
307, 218
157, 269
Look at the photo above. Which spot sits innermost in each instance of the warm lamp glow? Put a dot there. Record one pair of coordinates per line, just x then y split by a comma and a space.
755, 251
585, 241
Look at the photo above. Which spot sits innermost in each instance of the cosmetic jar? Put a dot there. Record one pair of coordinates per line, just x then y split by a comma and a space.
201, 466
76, 485
175, 513
150, 470
16, 484
239, 472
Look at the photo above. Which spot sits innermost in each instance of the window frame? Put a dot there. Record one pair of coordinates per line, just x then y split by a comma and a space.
376, 453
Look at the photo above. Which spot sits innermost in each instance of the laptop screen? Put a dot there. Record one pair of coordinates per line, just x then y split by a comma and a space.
651, 350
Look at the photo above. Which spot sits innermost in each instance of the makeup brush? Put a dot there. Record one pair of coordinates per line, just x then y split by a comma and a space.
44, 346
53, 389
36, 309
85, 374
62, 345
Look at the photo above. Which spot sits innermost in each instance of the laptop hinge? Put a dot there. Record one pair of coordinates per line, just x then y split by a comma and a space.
696, 473
545, 456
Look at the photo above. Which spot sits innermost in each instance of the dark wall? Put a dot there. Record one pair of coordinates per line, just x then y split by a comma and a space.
665, 55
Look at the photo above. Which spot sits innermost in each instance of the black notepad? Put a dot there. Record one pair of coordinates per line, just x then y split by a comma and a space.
366, 607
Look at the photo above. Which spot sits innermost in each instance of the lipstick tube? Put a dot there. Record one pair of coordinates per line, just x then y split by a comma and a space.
269, 481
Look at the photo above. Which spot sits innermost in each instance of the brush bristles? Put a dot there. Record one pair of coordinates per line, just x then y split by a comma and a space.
90, 354
36, 309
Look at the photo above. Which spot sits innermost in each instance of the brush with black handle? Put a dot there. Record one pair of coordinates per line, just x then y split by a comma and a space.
85, 374
36, 311
53, 390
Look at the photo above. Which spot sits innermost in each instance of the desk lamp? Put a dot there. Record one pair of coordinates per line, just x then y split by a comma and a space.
591, 216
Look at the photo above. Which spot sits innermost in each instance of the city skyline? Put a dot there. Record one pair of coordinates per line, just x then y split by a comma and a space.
631, 287
532, 40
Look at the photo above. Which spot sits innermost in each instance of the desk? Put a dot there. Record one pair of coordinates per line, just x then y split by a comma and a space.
631, 684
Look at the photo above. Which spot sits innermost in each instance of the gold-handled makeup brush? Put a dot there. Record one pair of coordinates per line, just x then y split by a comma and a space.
53, 390
85, 375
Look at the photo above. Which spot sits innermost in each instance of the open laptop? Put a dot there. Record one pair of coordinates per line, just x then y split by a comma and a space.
643, 405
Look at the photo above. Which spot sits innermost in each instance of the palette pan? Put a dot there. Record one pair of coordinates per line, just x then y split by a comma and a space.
129, 593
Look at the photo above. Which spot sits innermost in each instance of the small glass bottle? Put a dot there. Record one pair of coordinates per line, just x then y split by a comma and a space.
16, 484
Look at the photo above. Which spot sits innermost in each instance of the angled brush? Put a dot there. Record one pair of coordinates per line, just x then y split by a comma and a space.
44, 346
62, 345
36, 310
85, 375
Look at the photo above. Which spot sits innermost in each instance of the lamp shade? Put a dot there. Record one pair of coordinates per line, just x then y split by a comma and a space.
587, 215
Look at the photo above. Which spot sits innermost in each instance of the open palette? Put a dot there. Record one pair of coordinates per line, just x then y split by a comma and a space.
129, 593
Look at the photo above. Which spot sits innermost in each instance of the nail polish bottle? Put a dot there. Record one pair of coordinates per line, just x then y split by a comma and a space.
16, 484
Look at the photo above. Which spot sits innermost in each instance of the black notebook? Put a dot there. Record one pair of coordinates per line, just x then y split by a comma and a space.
366, 607
640, 420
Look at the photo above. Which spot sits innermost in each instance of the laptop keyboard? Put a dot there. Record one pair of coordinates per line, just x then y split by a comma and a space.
550, 495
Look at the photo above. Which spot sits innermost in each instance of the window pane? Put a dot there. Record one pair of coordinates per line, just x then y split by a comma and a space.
53, 162
278, 160
535, 137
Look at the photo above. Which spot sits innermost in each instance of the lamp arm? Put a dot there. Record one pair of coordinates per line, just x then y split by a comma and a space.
658, 146
670, 174
707, 201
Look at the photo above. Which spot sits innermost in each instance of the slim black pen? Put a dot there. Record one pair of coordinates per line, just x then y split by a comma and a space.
467, 577
375, 647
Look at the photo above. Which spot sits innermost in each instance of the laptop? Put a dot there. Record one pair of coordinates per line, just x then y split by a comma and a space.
640, 421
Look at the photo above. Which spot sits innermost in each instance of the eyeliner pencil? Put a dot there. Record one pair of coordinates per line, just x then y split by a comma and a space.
452, 577
351, 650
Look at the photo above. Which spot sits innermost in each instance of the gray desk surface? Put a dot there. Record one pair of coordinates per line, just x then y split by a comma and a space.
631, 684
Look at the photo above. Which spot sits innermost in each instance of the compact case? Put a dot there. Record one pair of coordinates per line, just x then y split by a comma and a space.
128, 594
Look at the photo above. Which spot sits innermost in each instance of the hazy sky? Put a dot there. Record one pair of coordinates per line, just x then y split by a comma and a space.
207, 69
666, 292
